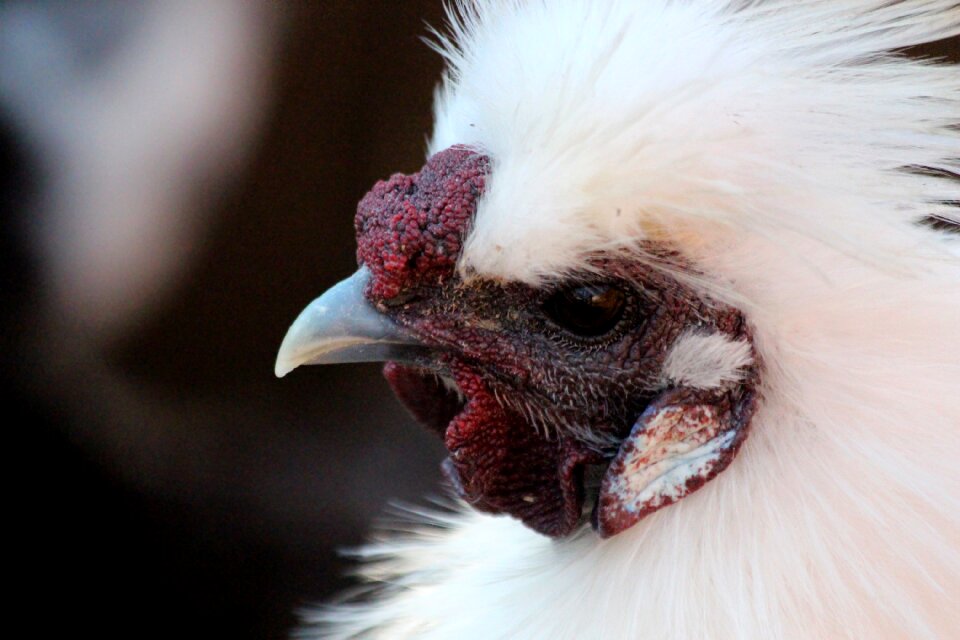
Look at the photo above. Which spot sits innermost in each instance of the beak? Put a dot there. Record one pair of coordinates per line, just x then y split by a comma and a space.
342, 326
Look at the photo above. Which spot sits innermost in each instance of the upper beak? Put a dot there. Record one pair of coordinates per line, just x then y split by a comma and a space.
342, 326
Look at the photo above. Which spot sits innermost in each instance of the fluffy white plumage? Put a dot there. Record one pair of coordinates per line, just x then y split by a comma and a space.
772, 143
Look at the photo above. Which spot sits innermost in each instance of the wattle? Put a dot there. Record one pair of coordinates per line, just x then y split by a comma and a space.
499, 462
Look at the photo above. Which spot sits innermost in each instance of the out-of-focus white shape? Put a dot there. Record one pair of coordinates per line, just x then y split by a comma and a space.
137, 114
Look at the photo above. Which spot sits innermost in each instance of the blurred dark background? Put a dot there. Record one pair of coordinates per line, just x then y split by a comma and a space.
178, 179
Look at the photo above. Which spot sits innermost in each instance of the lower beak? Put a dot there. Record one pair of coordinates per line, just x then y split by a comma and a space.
342, 326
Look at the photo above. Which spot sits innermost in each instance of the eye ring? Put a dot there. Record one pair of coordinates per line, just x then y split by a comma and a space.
589, 312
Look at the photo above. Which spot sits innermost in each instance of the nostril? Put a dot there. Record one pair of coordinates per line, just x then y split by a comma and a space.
400, 299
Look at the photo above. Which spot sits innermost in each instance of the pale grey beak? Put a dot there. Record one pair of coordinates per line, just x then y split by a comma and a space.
342, 326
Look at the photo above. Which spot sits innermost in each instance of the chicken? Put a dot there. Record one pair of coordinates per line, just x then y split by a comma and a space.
668, 289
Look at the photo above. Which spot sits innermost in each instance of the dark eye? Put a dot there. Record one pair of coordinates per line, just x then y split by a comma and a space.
587, 310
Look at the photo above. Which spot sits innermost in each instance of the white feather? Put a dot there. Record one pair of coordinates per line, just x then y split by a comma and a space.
706, 361
771, 143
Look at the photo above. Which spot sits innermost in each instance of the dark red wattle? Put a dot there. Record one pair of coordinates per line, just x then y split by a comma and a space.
424, 395
498, 462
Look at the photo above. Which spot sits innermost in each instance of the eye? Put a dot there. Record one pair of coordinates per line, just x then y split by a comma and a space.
587, 310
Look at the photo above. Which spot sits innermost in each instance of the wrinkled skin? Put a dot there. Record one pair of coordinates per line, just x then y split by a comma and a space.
534, 404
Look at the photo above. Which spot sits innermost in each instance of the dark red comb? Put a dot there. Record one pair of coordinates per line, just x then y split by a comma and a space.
410, 228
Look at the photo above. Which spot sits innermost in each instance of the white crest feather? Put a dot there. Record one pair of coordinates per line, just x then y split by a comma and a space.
774, 143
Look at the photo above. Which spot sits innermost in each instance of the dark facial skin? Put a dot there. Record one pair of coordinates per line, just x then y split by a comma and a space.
541, 401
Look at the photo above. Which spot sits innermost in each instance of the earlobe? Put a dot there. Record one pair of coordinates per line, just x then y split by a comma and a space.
684, 438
